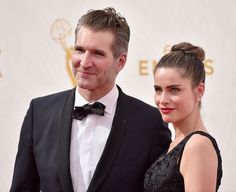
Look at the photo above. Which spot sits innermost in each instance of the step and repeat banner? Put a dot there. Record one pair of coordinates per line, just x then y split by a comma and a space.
36, 38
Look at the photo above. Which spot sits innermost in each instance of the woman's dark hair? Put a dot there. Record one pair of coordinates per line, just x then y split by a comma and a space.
187, 57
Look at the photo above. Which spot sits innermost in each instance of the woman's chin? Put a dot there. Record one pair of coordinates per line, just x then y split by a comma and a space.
167, 120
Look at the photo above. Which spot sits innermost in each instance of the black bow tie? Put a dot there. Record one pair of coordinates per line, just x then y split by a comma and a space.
81, 112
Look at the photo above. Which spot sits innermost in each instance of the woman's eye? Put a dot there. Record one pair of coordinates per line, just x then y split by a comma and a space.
157, 89
174, 90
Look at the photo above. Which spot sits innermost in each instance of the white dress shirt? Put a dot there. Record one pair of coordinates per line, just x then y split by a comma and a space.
88, 139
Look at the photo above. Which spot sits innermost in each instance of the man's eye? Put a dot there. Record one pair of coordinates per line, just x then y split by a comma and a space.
78, 50
99, 53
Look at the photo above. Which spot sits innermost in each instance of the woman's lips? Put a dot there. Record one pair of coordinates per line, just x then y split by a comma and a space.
166, 110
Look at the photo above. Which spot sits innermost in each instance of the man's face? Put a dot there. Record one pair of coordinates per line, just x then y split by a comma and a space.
93, 62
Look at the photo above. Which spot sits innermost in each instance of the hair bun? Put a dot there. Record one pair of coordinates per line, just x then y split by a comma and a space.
186, 47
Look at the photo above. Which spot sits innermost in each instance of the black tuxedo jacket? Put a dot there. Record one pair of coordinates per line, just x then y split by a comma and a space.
137, 138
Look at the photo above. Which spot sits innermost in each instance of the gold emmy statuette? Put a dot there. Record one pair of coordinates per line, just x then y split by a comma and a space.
60, 30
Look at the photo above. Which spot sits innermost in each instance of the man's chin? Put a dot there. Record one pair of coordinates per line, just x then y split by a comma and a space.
85, 86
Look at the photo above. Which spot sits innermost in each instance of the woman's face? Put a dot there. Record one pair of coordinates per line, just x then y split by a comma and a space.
174, 95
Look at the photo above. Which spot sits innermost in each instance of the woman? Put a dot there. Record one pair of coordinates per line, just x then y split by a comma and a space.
193, 161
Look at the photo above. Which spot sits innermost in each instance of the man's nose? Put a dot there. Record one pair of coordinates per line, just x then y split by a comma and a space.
86, 59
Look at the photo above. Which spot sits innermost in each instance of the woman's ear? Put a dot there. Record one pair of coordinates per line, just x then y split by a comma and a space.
200, 89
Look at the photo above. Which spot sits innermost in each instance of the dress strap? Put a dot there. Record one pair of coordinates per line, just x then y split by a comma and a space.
185, 140
219, 168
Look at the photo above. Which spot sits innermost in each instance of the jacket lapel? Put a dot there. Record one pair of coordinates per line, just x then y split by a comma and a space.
64, 142
113, 142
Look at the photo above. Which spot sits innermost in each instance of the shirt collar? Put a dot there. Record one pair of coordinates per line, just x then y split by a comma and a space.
109, 100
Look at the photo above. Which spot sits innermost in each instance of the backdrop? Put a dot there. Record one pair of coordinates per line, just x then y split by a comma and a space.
36, 39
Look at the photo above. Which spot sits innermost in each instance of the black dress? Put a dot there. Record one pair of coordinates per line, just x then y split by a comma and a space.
164, 174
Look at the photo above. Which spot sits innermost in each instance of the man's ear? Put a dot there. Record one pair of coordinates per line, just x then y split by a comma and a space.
121, 62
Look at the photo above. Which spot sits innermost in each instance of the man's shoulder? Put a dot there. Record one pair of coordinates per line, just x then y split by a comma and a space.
136, 101
138, 105
58, 96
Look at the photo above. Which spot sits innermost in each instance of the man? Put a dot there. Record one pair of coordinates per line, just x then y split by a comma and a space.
62, 149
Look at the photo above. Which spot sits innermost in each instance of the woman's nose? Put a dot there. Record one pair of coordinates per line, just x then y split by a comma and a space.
164, 98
